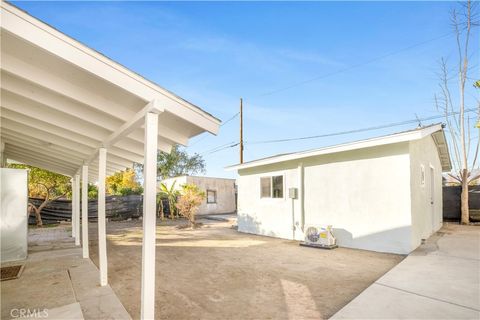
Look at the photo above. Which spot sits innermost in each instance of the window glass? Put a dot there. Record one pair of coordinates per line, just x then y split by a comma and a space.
211, 196
265, 187
277, 183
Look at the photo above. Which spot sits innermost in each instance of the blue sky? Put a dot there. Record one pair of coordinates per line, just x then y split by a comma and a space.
213, 53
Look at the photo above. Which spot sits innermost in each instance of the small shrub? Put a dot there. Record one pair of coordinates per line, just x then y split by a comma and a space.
190, 199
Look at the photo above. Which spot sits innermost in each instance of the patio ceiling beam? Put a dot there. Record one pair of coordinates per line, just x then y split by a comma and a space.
64, 163
58, 150
21, 96
152, 107
20, 129
42, 157
35, 143
57, 101
40, 164
36, 77
21, 136
15, 107
75, 162
46, 136
52, 128
134, 122
49, 80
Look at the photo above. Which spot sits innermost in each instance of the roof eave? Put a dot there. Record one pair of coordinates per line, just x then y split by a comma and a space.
378, 141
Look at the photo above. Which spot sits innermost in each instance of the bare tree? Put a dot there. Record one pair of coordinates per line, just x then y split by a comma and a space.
458, 120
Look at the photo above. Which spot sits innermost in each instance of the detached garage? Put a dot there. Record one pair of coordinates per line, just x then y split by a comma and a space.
381, 194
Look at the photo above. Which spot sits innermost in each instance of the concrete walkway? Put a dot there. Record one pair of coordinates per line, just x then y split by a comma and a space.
439, 280
57, 283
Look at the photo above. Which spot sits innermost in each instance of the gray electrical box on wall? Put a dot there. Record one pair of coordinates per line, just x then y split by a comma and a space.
293, 193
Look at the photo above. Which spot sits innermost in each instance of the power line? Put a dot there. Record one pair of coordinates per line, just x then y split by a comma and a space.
223, 123
340, 71
234, 144
394, 124
351, 67
221, 147
230, 119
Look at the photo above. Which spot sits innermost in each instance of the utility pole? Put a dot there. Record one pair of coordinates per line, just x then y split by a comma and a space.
241, 130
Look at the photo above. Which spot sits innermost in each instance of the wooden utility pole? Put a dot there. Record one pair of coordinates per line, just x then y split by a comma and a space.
241, 130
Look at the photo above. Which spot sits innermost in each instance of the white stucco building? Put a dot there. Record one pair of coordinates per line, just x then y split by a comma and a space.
382, 194
219, 192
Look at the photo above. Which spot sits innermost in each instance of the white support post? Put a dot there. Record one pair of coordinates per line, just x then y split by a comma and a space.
149, 216
77, 209
3, 158
102, 237
85, 211
72, 182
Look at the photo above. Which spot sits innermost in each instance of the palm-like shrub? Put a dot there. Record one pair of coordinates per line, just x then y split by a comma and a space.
190, 199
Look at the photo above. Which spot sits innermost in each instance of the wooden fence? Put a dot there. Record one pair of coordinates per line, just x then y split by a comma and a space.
451, 201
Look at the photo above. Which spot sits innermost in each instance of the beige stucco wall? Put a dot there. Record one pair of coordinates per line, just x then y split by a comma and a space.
426, 218
225, 189
363, 194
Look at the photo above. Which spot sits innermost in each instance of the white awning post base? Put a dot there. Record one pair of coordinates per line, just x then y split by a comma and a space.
85, 211
72, 219
149, 216
102, 237
77, 209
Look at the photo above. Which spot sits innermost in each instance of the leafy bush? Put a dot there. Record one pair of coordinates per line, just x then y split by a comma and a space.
190, 199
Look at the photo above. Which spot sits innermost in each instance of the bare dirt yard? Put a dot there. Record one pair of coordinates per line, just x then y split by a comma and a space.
216, 272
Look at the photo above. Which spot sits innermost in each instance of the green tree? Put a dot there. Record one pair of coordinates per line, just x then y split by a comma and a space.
123, 183
46, 185
171, 194
178, 163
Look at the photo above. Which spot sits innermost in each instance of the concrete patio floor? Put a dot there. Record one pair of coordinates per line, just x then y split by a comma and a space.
439, 280
57, 283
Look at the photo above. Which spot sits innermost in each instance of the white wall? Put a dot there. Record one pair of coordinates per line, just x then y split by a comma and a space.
14, 215
364, 194
225, 189
426, 218
267, 216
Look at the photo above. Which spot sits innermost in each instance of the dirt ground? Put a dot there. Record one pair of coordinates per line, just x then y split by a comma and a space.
216, 272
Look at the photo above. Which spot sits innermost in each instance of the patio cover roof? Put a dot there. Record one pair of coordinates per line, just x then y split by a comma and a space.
61, 101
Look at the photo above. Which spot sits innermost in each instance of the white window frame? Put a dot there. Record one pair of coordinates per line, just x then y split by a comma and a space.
271, 175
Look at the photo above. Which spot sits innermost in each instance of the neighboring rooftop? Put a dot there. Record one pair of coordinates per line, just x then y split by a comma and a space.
436, 130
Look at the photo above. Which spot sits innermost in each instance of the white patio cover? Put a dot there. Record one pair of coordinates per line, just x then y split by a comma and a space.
61, 101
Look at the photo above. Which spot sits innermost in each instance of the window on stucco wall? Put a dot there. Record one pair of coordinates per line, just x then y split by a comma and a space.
271, 187
211, 196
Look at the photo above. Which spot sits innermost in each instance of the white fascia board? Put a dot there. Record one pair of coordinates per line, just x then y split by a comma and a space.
373, 142
44, 36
